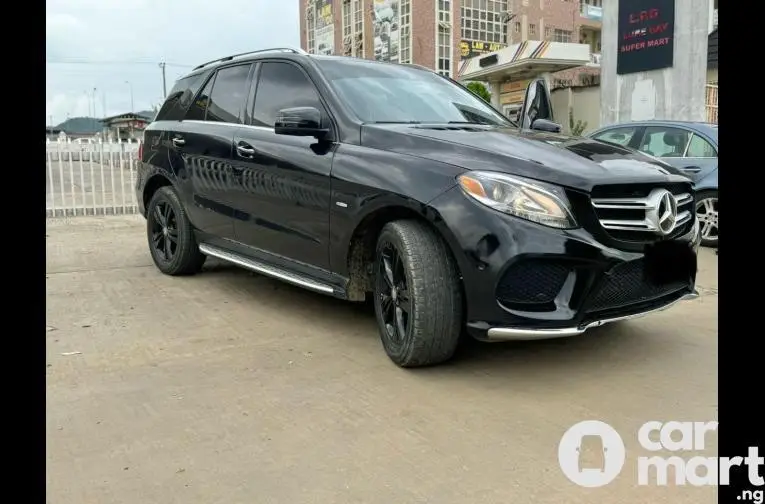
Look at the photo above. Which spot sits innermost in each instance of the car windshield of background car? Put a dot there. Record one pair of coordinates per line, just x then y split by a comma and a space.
386, 93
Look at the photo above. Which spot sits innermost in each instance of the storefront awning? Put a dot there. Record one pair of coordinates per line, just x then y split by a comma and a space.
525, 60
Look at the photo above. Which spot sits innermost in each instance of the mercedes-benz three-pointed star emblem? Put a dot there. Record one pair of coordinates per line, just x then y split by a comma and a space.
664, 216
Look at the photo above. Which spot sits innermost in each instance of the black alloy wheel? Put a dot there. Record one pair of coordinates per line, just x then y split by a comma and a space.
164, 231
417, 294
392, 288
172, 242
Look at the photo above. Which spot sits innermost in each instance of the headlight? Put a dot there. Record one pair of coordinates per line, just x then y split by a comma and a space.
528, 199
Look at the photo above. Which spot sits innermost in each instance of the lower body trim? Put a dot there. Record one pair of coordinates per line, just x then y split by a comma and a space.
516, 334
265, 269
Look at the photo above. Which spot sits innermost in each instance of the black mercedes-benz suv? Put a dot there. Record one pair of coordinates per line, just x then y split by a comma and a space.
354, 178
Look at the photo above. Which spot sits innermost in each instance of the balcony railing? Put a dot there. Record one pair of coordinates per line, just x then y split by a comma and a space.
592, 12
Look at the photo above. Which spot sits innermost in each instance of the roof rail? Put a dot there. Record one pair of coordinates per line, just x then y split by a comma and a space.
229, 58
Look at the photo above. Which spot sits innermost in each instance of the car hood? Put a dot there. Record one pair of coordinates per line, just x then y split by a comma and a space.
579, 163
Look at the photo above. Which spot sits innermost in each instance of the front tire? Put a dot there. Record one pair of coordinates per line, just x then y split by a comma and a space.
418, 296
172, 243
707, 213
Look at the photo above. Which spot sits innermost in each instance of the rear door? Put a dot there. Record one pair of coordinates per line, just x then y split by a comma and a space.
673, 144
700, 157
204, 140
283, 205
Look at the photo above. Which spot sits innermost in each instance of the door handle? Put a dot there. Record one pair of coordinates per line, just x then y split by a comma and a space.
692, 169
178, 141
245, 150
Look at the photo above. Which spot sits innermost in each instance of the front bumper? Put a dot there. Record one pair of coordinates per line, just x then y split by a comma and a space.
520, 334
595, 283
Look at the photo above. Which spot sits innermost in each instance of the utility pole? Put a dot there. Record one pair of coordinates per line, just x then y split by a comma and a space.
94, 103
164, 81
132, 107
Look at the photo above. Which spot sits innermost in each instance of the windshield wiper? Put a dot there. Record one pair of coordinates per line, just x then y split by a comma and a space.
396, 122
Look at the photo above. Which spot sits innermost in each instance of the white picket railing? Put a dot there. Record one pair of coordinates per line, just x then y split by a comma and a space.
96, 178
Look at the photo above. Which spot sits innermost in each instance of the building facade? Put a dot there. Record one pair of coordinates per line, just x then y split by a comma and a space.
441, 34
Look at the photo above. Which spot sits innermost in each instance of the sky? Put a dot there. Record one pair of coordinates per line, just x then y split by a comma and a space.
115, 46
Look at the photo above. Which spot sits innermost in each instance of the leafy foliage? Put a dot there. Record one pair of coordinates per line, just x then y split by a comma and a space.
480, 90
576, 127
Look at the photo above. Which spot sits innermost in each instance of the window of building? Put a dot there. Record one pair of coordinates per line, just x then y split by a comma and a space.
358, 28
282, 85
482, 21
310, 28
228, 95
347, 28
557, 35
532, 30
405, 46
444, 42
517, 27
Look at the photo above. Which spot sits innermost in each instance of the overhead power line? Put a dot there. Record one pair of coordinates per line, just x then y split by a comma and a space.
103, 62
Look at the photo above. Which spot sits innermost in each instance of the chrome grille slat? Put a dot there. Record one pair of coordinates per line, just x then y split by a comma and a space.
633, 208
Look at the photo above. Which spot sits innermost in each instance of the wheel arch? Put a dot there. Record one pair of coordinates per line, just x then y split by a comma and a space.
152, 185
360, 247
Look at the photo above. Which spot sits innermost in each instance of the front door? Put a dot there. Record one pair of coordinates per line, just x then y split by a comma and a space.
283, 204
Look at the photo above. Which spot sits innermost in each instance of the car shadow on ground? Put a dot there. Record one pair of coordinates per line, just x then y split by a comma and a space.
608, 347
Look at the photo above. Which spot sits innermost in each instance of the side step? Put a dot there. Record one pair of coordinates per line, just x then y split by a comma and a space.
265, 269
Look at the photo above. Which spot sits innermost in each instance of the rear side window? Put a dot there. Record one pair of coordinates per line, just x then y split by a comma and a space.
282, 85
199, 107
229, 93
180, 98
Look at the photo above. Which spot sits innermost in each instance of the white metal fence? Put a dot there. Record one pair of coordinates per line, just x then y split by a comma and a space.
90, 178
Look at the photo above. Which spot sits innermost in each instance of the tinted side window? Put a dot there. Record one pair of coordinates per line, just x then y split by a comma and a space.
621, 136
700, 148
228, 94
280, 86
660, 141
179, 98
199, 107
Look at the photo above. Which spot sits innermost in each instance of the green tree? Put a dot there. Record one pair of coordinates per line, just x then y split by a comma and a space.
480, 90
577, 127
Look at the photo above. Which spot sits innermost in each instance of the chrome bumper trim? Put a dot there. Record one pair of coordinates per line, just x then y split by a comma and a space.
515, 334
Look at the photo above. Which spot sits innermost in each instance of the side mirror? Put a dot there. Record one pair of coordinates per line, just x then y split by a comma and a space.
300, 121
537, 106
545, 125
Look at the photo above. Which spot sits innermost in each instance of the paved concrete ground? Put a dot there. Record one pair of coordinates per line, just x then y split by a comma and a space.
85, 188
229, 387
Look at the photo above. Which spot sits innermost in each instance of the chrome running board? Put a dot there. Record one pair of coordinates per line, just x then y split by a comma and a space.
265, 269
516, 334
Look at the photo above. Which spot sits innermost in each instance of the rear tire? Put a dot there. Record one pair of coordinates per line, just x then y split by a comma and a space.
172, 243
417, 296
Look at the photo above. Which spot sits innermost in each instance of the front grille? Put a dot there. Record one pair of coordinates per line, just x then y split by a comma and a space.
626, 284
531, 282
634, 213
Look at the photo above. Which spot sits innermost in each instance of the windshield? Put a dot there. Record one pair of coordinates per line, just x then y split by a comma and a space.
389, 93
